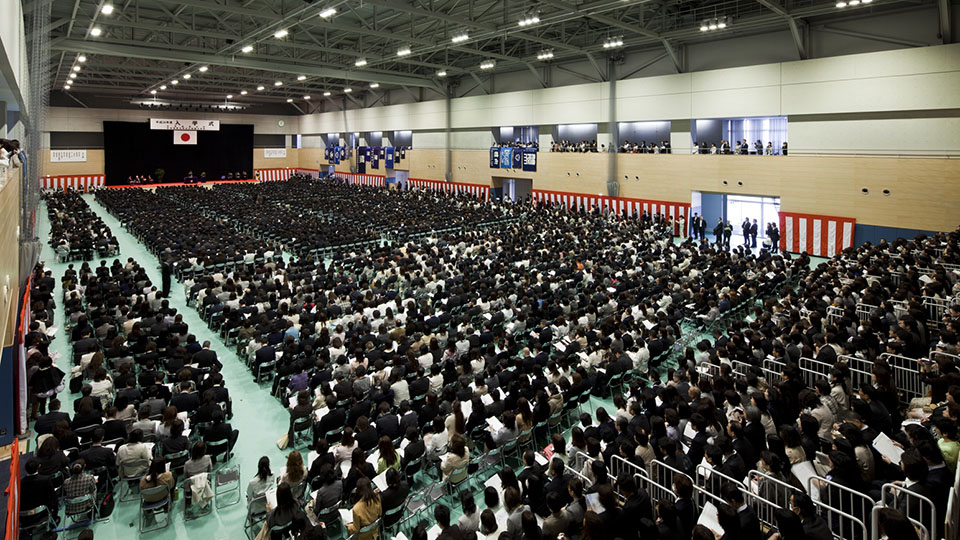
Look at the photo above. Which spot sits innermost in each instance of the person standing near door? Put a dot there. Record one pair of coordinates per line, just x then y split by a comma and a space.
727, 233
745, 229
753, 233
718, 232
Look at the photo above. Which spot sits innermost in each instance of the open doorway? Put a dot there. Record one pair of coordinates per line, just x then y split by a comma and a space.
736, 209
511, 189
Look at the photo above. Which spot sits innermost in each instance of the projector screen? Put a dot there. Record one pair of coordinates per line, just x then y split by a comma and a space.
132, 149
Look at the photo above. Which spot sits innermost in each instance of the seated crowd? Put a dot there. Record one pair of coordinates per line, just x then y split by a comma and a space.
149, 395
75, 230
740, 148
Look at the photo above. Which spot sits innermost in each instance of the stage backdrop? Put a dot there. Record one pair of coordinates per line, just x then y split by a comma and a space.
132, 148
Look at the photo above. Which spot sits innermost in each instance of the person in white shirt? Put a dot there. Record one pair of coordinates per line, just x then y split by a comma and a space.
132, 451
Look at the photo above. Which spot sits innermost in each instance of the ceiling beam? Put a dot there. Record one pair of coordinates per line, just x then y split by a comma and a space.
946, 21
155, 53
795, 30
872, 37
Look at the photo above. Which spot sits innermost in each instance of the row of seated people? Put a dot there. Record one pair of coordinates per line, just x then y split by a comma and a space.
147, 387
740, 148
76, 232
662, 147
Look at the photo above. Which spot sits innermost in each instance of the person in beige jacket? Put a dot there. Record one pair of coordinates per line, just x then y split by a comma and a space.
457, 457
366, 511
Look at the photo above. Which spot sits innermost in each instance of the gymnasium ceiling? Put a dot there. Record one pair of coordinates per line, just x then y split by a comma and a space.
144, 45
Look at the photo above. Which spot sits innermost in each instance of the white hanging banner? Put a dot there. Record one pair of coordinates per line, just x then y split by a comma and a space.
184, 125
68, 156
274, 152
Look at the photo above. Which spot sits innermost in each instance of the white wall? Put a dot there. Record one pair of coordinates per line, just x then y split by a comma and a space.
13, 57
79, 119
907, 136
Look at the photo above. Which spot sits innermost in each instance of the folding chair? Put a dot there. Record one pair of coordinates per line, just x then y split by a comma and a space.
456, 479
35, 520
302, 429
132, 480
216, 449
225, 482
161, 506
371, 527
188, 516
254, 518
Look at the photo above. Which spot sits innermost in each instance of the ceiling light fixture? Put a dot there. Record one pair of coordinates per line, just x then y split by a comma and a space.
327, 13
442, 73
306, 97
229, 96
374, 85
301, 77
326, 94
186, 76
360, 62
246, 48
278, 83
403, 51
613, 42
66, 87
545, 54
107, 9
347, 90
76, 68
163, 87
290, 100
73, 75
243, 92
153, 92
488, 64
459, 38
96, 31
716, 23
174, 82
527, 21
81, 58
280, 34
260, 88
203, 69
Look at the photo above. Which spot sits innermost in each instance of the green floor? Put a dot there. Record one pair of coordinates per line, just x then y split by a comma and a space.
260, 418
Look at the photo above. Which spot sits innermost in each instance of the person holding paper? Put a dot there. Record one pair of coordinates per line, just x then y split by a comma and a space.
366, 510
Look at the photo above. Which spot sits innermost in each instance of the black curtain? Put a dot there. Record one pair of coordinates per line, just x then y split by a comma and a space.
132, 148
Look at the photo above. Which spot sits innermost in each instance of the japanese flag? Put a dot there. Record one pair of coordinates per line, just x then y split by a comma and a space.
184, 137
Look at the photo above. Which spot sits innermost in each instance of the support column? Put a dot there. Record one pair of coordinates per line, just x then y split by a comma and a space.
680, 133
613, 185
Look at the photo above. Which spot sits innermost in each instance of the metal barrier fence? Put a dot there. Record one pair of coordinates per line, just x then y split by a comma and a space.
953, 510
919, 509
846, 511
861, 370
656, 489
906, 377
864, 311
707, 486
766, 494
772, 368
937, 308
619, 465
834, 314
741, 369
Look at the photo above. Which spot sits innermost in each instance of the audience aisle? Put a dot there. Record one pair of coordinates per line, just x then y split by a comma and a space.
258, 416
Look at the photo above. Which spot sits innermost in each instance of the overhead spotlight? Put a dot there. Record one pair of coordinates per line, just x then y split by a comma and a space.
613, 42
246, 48
280, 34
203, 69
163, 87
81, 58
66, 87
403, 51
546, 54
107, 9
704, 27
360, 62
488, 64
73, 75
260, 88
527, 21
347, 90
289, 100
243, 92
721, 24
460, 38
278, 83
229, 96
712, 26
96, 31
326, 94
153, 92
442, 73
374, 85
841, 4
327, 13
174, 82
186, 76
76, 68
717, 23
306, 98
301, 77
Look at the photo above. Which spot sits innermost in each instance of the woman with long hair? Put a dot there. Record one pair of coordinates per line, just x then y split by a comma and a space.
287, 514
258, 485
295, 471
347, 445
366, 511
157, 476
457, 456
389, 459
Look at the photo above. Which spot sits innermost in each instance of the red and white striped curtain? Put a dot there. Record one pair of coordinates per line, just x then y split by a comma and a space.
82, 183
821, 236
617, 205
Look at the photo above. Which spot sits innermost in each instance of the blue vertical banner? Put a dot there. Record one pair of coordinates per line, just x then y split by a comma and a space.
517, 158
375, 156
326, 154
530, 159
336, 155
495, 157
388, 157
506, 158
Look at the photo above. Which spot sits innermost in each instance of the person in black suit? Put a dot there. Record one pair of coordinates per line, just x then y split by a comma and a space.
185, 401
749, 523
753, 233
100, 456
388, 423
447, 531
45, 423
814, 526
332, 422
114, 429
718, 232
207, 357
366, 435
412, 451
220, 431
532, 484
396, 492
637, 505
37, 490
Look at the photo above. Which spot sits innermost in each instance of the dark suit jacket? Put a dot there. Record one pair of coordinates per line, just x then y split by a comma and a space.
206, 358
816, 529
389, 425
37, 490
99, 456
46, 422
185, 401
749, 525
